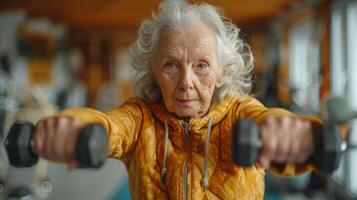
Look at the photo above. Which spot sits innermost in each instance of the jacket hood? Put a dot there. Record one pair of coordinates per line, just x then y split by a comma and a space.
214, 116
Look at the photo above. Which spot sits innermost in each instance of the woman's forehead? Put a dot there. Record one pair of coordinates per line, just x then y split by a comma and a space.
198, 39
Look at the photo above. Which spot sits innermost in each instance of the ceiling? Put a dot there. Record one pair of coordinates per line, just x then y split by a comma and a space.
127, 14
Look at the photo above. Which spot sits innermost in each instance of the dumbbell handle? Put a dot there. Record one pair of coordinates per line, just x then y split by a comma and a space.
246, 145
91, 145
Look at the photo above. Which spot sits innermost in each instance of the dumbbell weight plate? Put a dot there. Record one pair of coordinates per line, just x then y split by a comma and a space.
327, 154
245, 142
92, 146
18, 145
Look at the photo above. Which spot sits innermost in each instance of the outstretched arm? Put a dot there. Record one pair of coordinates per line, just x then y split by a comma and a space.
55, 136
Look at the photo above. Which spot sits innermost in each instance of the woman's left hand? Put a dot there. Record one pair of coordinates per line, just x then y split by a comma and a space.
285, 139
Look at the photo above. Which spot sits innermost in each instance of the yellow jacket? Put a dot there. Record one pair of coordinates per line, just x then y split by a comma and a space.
167, 158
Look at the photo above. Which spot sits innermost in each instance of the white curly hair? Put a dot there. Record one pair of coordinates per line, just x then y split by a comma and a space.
234, 55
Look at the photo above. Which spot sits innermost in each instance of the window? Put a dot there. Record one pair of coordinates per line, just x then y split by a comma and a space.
351, 46
304, 64
343, 80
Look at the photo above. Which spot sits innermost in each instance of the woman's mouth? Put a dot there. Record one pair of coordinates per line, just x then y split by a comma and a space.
185, 101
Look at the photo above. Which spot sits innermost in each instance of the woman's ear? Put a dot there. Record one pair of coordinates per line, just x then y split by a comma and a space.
220, 79
219, 82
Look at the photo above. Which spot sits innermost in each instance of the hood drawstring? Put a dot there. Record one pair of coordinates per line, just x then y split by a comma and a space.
164, 169
206, 161
204, 180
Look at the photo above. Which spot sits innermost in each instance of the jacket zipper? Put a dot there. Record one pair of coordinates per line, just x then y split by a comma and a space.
185, 176
186, 128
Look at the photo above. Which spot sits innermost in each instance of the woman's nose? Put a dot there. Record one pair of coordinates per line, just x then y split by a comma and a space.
186, 79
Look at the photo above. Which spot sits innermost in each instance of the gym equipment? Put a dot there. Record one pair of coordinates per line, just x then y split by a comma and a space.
91, 145
246, 145
338, 110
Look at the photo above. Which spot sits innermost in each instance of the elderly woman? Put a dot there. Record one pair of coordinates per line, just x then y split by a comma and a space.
175, 137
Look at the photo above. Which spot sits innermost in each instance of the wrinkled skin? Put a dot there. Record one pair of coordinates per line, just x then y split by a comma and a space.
285, 139
55, 139
186, 68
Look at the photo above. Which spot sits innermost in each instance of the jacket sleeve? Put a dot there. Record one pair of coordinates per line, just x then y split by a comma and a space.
252, 108
122, 124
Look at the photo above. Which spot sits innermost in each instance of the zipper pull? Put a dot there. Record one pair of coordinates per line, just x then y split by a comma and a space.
186, 129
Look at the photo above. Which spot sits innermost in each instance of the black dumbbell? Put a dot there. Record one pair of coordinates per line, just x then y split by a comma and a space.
246, 145
91, 145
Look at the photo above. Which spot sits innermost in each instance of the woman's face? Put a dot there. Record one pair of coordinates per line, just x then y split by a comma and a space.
185, 67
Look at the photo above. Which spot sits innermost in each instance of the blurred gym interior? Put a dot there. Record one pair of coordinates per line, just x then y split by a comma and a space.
62, 54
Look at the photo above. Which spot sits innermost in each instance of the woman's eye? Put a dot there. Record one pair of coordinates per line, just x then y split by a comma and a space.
170, 65
203, 65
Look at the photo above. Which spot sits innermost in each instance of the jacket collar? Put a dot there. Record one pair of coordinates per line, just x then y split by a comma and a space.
217, 113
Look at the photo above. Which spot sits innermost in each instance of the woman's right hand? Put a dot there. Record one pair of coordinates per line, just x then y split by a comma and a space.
55, 139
